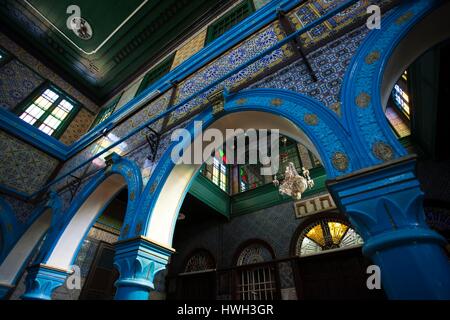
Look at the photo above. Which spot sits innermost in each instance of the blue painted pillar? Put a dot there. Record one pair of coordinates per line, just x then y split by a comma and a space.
384, 204
42, 280
138, 260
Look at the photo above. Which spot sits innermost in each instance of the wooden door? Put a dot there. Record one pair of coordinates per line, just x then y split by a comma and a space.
99, 283
335, 275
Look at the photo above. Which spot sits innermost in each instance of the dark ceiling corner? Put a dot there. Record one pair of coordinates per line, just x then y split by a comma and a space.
150, 32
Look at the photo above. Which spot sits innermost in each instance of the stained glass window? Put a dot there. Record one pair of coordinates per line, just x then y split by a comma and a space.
217, 172
326, 234
50, 111
401, 96
250, 177
398, 110
397, 122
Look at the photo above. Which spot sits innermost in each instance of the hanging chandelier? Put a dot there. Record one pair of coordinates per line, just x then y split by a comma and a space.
294, 184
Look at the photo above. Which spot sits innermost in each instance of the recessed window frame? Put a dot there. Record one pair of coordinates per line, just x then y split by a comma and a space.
57, 133
156, 73
106, 111
229, 20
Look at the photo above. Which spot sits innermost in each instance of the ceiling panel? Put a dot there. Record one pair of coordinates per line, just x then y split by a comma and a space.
126, 35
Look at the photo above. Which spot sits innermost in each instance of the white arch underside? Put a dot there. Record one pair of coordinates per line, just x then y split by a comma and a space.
67, 245
24, 248
165, 211
430, 31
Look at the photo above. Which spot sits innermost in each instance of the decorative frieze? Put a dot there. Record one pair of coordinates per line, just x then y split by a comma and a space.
313, 205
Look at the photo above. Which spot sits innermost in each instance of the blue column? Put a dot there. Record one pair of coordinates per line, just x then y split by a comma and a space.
42, 280
138, 260
384, 204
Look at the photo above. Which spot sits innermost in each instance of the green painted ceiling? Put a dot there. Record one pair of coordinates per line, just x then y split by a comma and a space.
127, 36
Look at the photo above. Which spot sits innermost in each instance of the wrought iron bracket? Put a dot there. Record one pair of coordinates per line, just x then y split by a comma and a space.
74, 186
153, 138
288, 29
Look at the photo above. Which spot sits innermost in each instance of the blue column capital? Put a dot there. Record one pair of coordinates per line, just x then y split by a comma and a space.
138, 260
42, 280
382, 198
385, 205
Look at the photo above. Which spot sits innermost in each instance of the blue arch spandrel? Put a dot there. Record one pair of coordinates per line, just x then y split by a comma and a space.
363, 113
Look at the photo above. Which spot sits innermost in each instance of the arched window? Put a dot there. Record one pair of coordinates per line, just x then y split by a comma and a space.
398, 108
256, 273
254, 253
326, 233
200, 260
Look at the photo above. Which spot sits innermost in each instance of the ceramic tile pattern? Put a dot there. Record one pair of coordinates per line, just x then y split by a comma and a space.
190, 48
311, 10
17, 82
23, 168
78, 127
21, 209
237, 56
329, 64
34, 64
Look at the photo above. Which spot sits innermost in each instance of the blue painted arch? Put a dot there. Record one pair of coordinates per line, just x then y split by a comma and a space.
363, 113
22, 244
128, 171
318, 123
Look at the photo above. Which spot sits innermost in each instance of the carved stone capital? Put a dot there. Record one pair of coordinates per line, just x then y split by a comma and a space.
42, 280
138, 260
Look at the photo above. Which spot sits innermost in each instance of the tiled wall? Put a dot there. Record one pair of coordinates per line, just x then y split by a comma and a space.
17, 82
79, 125
329, 63
21, 76
190, 48
182, 53
39, 68
23, 167
276, 226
